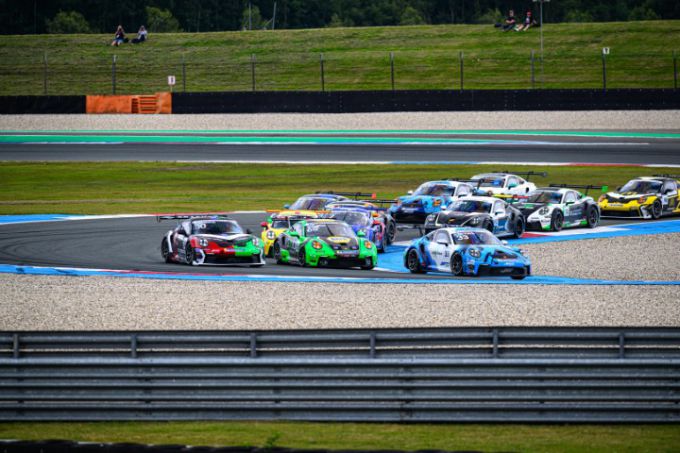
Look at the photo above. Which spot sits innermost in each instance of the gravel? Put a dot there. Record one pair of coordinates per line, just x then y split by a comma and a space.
648, 257
605, 120
84, 303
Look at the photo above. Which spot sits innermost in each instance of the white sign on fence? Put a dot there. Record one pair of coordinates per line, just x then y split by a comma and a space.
605, 51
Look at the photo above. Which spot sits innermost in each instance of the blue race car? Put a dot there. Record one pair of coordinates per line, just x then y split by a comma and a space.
465, 251
362, 220
429, 198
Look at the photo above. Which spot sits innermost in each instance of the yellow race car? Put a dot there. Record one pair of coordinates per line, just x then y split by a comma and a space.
280, 221
647, 197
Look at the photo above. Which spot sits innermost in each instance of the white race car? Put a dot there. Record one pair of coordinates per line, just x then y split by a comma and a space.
504, 184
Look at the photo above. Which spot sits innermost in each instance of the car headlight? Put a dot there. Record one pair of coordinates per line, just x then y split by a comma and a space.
602, 198
203, 242
271, 235
642, 200
317, 245
368, 244
475, 253
544, 210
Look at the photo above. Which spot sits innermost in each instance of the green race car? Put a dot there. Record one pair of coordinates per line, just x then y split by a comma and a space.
326, 243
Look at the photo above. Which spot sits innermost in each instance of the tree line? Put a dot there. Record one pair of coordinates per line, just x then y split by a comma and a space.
102, 16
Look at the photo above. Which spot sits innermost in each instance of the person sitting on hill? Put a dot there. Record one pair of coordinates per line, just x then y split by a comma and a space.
528, 22
141, 35
119, 37
510, 21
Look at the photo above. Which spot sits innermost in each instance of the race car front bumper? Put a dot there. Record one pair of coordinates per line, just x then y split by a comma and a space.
503, 271
229, 256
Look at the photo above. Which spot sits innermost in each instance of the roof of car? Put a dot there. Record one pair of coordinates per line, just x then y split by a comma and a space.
480, 198
486, 175
465, 229
328, 196
447, 182
655, 178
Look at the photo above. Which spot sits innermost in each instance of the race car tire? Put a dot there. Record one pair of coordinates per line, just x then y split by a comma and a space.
488, 226
368, 267
302, 257
190, 255
518, 277
413, 262
557, 221
656, 209
277, 252
165, 251
593, 217
518, 229
457, 265
391, 232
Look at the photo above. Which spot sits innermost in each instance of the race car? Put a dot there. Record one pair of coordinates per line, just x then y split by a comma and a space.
317, 201
430, 197
559, 206
647, 197
278, 222
465, 251
505, 185
489, 213
327, 243
213, 239
377, 209
362, 220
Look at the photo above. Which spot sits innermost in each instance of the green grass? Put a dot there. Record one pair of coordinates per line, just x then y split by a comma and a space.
426, 57
124, 187
603, 438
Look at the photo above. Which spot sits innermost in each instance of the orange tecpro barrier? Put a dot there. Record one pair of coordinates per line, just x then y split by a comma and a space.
154, 103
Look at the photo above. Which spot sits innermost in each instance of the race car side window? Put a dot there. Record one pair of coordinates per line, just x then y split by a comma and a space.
463, 190
186, 228
669, 187
498, 207
570, 197
298, 228
442, 236
513, 181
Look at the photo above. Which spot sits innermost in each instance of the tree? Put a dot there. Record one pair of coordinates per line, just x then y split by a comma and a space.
161, 20
411, 16
643, 12
251, 18
66, 22
491, 16
578, 16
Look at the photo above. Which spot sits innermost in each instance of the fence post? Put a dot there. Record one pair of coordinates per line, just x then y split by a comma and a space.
533, 72
252, 69
113, 74
184, 75
45, 73
675, 70
460, 56
604, 71
392, 69
323, 81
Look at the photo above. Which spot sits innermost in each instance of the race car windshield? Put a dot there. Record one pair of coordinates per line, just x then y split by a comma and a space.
329, 229
309, 203
215, 227
353, 218
544, 197
281, 223
471, 206
434, 190
491, 181
475, 237
641, 186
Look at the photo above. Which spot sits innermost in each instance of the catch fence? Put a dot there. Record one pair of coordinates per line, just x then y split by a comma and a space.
528, 375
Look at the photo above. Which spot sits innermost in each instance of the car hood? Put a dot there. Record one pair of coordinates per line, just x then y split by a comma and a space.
457, 216
340, 242
625, 197
422, 199
224, 237
528, 208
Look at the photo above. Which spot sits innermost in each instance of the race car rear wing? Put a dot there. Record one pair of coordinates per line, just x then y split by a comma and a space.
526, 174
578, 186
192, 215
355, 195
668, 176
381, 203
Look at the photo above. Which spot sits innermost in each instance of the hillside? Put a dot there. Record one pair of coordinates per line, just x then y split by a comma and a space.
425, 57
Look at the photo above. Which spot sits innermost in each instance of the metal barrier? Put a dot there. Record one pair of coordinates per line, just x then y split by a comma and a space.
417, 375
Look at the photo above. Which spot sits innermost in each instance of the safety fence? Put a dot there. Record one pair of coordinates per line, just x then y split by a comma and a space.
417, 375
41, 73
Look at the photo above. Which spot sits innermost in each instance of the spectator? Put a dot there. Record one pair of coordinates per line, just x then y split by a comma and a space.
141, 35
528, 22
119, 37
510, 21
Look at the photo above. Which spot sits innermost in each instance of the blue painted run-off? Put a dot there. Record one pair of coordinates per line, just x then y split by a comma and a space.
34, 218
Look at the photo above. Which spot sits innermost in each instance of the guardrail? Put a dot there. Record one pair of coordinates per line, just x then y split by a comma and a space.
419, 375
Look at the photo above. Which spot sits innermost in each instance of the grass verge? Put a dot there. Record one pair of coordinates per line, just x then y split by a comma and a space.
425, 57
131, 187
553, 438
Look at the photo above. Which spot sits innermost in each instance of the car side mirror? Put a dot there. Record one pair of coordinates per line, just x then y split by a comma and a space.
264, 225
361, 234
249, 231
293, 234
504, 242
499, 212
410, 192
618, 189
286, 206
569, 203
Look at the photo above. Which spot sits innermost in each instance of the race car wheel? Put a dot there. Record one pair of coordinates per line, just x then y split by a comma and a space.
518, 229
368, 267
302, 257
391, 232
593, 218
557, 221
488, 226
190, 255
413, 262
518, 277
165, 251
277, 253
457, 265
656, 210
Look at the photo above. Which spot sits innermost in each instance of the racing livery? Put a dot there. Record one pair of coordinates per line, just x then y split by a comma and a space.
559, 206
465, 251
198, 240
367, 222
325, 242
504, 184
373, 206
313, 202
430, 197
278, 222
492, 214
647, 197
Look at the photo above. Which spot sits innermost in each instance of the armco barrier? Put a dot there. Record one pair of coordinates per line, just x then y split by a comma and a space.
541, 375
